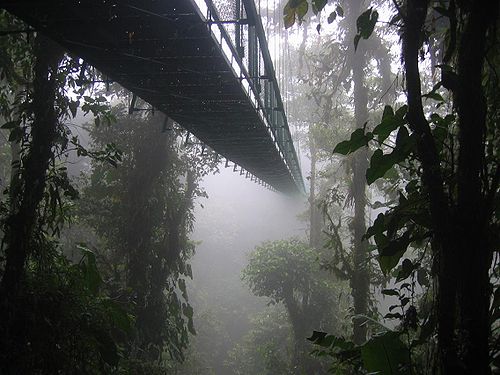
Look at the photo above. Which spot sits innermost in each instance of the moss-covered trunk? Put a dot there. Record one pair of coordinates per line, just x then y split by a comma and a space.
22, 220
359, 280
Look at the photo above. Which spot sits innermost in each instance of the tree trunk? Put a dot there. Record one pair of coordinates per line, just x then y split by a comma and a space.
360, 281
443, 236
315, 214
475, 256
151, 159
22, 221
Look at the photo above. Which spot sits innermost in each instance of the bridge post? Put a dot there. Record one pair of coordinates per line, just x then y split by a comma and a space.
253, 55
237, 34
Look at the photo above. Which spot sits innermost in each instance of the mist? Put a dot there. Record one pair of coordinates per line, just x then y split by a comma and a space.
254, 187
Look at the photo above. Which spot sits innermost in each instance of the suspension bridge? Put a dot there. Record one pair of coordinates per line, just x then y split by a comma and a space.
204, 63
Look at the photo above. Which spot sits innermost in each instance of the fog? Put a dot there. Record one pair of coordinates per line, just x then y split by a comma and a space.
237, 216
132, 241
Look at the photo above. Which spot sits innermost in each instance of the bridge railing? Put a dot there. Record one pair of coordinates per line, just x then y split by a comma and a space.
237, 27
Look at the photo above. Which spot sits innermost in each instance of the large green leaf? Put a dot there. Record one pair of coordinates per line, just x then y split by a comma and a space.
407, 268
339, 10
380, 163
378, 226
88, 265
107, 348
365, 25
385, 354
121, 319
390, 122
358, 139
288, 16
391, 251
318, 5
295, 10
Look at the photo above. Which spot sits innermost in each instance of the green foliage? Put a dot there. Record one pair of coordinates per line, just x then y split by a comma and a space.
295, 10
358, 139
64, 324
143, 209
384, 353
288, 272
390, 122
276, 268
365, 25
431, 160
267, 348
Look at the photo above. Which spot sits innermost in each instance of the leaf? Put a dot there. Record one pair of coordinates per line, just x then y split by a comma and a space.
393, 316
401, 111
391, 252
396, 18
390, 122
380, 163
107, 348
302, 9
388, 112
404, 301
358, 139
390, 292
91, 275
294, 10
332, 17
434, 96
10, 125
356, 41
16, 134
288, 16
187, 311
385, 354
378, 226
118, 315
407, 269
318, 5
365, 25
340, 11
321, 339
405, 144
422, 277
330, 341
73, 107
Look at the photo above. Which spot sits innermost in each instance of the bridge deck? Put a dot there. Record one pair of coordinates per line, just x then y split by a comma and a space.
165, 53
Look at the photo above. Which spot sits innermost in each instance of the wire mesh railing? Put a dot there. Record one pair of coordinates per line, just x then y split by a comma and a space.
238, 29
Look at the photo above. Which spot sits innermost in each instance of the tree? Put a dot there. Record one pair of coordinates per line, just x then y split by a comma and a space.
461, 209
288, 272
266, 349
142, 215
340, 65
59, 315
53, 315
446, 157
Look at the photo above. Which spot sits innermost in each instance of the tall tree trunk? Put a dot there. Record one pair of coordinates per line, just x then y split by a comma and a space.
441, 220
151, 159
360, 278
472, 222
460, 242
315, 214
22, 221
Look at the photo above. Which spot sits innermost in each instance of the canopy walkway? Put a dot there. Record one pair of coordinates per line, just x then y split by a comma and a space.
204, 63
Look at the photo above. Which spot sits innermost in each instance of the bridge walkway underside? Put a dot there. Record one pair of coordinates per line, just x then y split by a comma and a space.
164, 52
